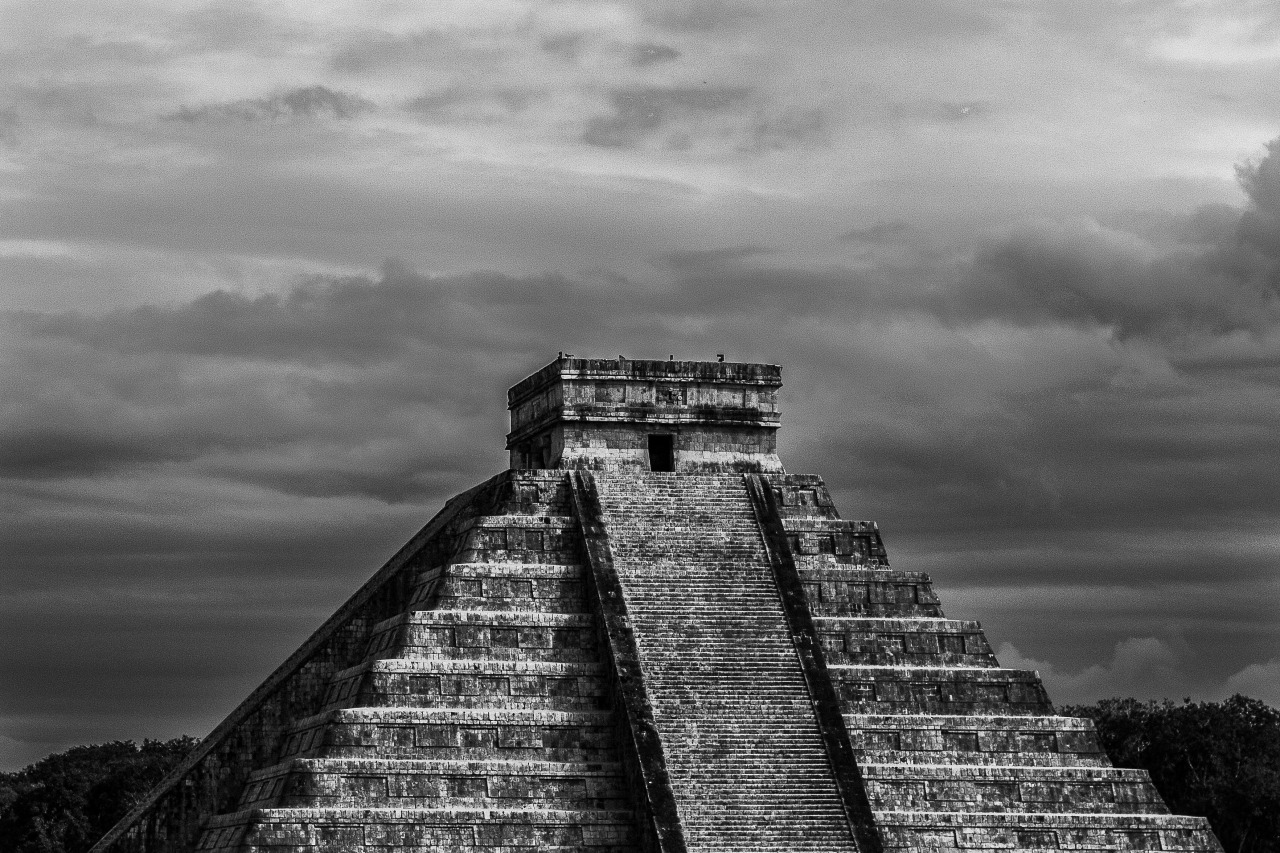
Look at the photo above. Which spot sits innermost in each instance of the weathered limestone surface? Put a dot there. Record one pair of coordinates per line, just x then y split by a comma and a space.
600, 414
747, 761
956, 752
477, 714
597, 656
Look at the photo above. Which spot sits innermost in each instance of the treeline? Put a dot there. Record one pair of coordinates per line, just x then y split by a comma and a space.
67, 801
1219, 760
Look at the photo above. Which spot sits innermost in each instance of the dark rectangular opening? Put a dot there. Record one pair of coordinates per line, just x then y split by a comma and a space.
662, 453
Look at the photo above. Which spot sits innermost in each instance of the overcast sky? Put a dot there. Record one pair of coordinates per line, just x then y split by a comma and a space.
269, 268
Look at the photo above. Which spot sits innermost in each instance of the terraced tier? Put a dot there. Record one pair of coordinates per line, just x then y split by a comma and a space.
975, 739
939, 690
501, 634
470, 683
540, 587
520, 734
390, 830
480, 718
837, 589
956, 752
979, 832
899, 641
437, 783
959, 788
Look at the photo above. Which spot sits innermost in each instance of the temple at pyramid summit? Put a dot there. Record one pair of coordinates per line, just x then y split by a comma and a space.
646, 635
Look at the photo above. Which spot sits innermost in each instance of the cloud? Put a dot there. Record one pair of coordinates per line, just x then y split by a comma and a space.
733, 117
1141, 667
673, 114
803, 126
353, 405
308, 102
1225, 280
1259, 681
1147, 668
464, 104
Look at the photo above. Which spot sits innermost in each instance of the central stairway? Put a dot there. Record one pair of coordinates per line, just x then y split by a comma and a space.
746, 759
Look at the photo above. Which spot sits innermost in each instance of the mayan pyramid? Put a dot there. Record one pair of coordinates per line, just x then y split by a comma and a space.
646, 636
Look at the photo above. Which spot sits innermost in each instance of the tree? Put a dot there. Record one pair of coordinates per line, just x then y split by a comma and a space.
1219, 760
67, 801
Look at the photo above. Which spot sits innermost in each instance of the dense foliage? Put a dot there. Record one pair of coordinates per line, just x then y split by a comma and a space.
66, 802
1219, 760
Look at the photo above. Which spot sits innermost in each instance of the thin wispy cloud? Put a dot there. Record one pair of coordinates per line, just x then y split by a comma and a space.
308, 102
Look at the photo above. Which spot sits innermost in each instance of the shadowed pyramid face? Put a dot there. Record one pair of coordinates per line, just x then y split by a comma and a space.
619, 414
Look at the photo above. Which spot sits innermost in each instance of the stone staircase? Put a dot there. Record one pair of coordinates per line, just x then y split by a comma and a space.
746, 760
479, 719
956, 752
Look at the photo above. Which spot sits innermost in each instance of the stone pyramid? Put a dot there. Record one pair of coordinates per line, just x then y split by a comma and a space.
646, 636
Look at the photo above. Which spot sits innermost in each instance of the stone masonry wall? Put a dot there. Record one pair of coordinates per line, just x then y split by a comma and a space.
598, 414
480, 717
705, 449
957, 753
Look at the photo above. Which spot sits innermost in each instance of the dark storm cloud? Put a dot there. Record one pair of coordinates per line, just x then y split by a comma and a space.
305, 102
356, 320
62, 451
1023, 423
1208, 224
381, 326
1227, 280
1089, 408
